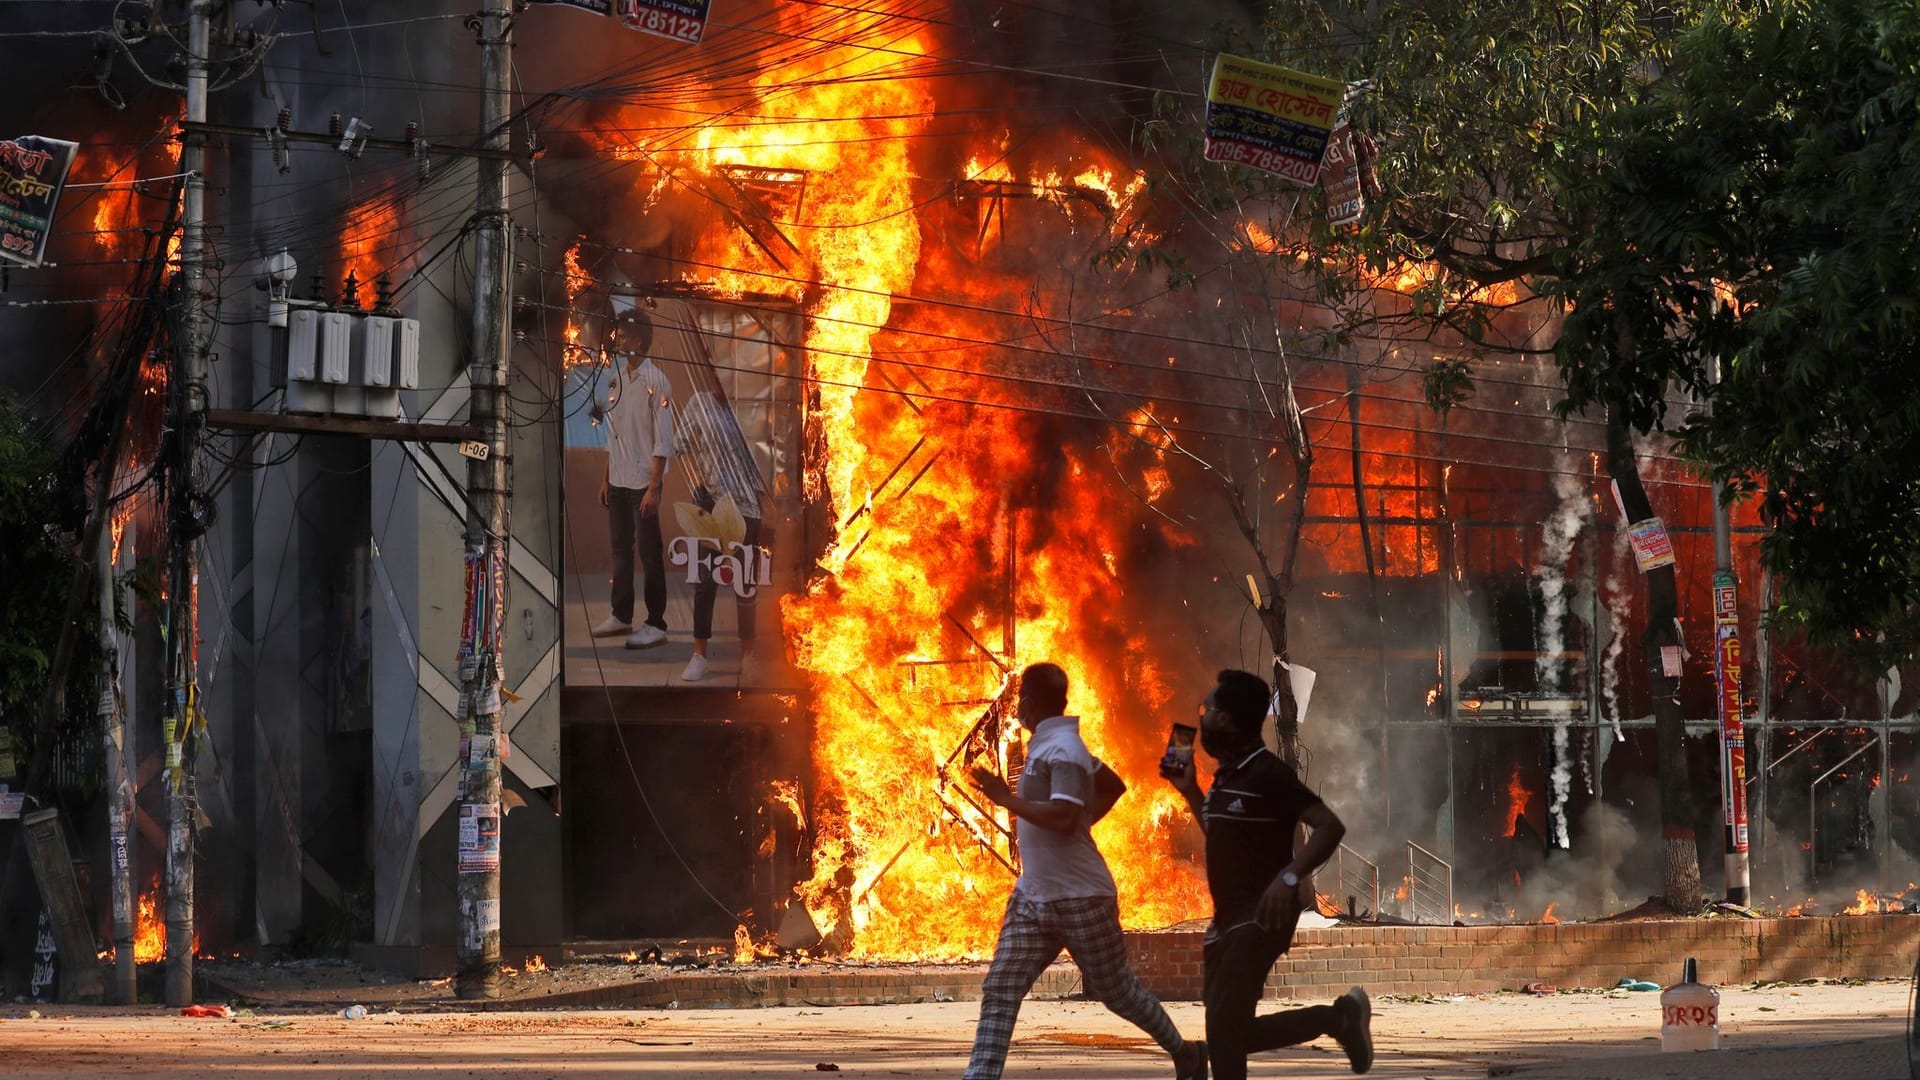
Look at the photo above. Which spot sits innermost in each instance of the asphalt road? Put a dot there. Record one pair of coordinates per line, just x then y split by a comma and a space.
1770, 1032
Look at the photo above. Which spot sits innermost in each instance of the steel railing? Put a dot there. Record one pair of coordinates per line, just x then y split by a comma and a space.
1429, 886
1357, 884
1813, 813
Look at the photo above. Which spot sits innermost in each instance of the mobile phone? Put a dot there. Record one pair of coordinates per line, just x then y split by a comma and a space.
1179, 755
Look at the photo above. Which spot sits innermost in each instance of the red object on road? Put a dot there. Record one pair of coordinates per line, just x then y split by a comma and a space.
207, 1012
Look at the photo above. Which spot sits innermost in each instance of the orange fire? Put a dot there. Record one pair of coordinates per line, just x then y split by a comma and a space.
1865, 902
934, 589
1517, 798
149, 931
536, 964
1404, 276
578, 281
746, 950
371, 243
150, 927
1548, 916
910, 629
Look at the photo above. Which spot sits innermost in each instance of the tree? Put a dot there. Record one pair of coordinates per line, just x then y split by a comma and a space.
36, 562
1489, 118
1761, 205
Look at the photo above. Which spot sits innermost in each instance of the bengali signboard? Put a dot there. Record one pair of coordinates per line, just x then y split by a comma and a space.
33, 172
680, 20
1271, 118
1346, 176
1733, 731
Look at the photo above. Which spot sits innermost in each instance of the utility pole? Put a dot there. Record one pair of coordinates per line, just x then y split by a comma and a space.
113, 735
1726, 671
488, 489
189, 385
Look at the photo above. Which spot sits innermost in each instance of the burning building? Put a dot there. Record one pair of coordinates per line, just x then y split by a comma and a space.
896, 258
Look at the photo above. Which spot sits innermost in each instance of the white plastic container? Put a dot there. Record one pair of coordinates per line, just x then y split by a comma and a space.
1689, 1014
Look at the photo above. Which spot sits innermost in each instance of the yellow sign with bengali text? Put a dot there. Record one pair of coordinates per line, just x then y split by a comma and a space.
1270, 117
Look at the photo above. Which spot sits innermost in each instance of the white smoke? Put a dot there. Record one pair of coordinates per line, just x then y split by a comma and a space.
1561, 531
1619, 614
1562, 778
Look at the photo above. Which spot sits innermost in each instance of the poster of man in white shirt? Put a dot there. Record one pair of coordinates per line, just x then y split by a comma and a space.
639, 442
690, 426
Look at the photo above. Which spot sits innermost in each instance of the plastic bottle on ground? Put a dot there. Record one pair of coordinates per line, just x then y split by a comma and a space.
1689, 1014
354, 1012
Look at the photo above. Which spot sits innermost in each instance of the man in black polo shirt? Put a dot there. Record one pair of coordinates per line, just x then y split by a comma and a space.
1253, 873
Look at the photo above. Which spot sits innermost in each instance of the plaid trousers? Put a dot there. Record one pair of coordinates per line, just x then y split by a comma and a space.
1031, 937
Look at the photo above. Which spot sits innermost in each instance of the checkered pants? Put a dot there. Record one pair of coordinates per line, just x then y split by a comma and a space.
1031, 937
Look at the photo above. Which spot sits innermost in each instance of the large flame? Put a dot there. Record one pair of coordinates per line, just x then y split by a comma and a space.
936, 585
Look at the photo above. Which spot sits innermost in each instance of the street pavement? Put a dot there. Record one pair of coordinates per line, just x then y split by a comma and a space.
1778, 1031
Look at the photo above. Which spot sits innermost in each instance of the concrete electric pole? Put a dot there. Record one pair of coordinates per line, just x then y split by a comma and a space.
488, 489
184, 507
113, 741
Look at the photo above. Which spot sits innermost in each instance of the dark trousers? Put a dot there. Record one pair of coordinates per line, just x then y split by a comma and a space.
704, 592
623, 519
1235, 967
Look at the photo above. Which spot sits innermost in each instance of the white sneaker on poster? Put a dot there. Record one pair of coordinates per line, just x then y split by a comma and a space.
611, 627
696, 669
646, 637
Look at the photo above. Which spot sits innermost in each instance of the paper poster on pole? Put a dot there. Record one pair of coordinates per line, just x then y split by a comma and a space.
598, 7
479, 838
1271, 118
1651, 547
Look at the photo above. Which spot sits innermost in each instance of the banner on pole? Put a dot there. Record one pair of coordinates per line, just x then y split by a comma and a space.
1271, 118
33, 173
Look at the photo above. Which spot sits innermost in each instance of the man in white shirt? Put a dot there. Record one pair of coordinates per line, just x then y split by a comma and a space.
1065, 897
639, 442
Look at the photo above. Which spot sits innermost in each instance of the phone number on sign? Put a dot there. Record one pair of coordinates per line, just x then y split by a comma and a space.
1239, 153
666, 24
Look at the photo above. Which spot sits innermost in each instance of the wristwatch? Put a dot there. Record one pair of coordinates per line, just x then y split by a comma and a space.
1290, 879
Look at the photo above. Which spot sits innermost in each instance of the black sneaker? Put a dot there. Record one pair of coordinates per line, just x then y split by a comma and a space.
1199, 1071
1356, 1028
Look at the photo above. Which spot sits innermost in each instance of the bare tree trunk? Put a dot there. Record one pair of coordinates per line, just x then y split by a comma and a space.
1661, 646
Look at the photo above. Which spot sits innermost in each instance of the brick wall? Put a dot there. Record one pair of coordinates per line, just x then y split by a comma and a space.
1480, 959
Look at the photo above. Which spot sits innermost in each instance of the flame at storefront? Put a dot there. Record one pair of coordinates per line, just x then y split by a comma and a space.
894, 633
